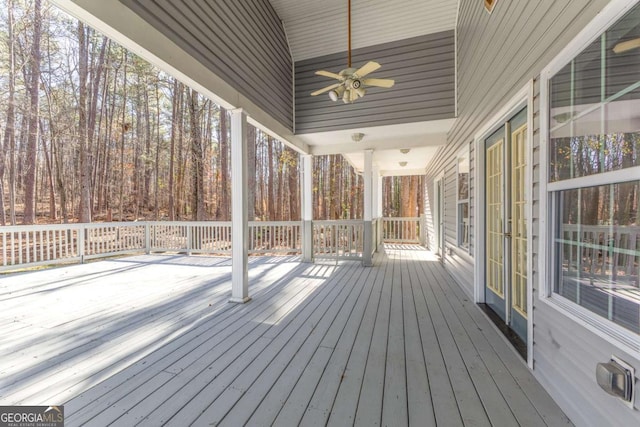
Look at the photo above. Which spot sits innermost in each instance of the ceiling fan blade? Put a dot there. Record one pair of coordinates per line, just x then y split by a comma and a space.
325, 89
625, 46
379, 82
367, 68
329, 74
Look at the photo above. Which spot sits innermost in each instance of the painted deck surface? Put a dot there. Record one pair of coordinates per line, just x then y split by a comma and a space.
152, 340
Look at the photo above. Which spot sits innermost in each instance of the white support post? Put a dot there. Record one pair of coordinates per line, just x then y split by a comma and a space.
239, 207
368, 208
374, 203
147, 238
379, 211
307, 207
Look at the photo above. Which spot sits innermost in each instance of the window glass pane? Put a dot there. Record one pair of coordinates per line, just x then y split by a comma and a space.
623, 61
594, 100
463, 224
463, 178
598, 246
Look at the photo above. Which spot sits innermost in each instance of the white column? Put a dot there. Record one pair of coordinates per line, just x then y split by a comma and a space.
368, 207
239, 214
375, 202
375, 178
379, 212
307, 207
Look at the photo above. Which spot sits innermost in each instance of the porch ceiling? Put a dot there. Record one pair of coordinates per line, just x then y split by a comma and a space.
315, 28
422, 138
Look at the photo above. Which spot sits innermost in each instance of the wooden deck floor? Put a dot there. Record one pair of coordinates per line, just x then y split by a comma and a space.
152, 340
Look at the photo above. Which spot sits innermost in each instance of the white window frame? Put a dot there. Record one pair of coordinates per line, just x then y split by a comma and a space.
465, 152
621, 337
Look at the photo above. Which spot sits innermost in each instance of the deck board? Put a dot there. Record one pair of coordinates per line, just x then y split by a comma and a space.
152, 340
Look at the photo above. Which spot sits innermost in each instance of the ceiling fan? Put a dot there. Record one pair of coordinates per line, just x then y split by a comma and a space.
352, 81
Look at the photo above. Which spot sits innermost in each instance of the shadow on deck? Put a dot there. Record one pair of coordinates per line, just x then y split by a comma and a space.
153, 340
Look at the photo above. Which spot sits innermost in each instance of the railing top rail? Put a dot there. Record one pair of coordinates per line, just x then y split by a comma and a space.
626, 228
36, 227
339, 222
406, 218
274, 223
189, 223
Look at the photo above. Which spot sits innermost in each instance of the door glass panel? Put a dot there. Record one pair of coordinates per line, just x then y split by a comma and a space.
494, 213
518, 221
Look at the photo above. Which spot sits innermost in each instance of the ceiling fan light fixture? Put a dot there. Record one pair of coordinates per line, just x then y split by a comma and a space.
333, 95
357, 137
361, 92
346, 96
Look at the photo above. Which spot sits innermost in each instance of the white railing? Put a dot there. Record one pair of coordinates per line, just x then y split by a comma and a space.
275, 237
33, 245
595, 251
209, 237
401, 230
36, 245
338, 239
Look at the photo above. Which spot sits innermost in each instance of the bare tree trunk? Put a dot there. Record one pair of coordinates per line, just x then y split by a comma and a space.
271, 186
92, 119
9, 142
413, 196
138, 182
34, 91
196, 158
251, 179
222, 212
125, 128
177, 96
181, 157
52, 196
156, 207
146, 199
294, 187
85, 173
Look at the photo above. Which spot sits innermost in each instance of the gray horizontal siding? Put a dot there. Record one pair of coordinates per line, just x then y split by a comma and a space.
243, 42
498, 54
423, 68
